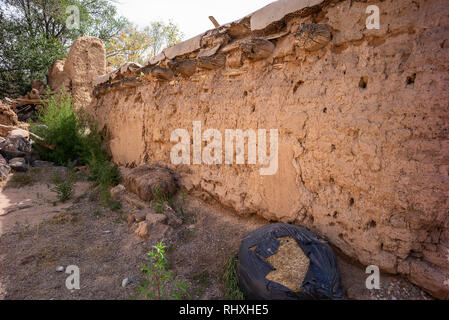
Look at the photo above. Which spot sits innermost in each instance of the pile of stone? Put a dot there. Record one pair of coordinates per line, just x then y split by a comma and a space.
139, 190
16, 153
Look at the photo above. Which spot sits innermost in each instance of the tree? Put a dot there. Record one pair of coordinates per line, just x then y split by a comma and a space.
35, 33
134, 45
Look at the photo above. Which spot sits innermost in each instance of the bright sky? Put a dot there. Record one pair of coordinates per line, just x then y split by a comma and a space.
192, 16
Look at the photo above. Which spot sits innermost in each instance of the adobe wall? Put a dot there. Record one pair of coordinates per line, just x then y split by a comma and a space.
363, 124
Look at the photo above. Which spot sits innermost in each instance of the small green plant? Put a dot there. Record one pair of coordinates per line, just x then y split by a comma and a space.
159, 283
231, 282
159, 200
64, 185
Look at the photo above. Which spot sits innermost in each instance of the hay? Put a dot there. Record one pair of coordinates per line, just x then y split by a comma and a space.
291, 264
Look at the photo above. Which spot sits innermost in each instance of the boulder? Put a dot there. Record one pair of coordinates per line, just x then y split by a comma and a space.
16, 145
143, 181
5, 169
154, 218
19, 164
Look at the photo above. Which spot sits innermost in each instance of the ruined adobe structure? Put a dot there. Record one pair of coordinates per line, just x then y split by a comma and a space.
363, 121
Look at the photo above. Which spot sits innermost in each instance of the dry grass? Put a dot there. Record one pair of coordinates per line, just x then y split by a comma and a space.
291, 264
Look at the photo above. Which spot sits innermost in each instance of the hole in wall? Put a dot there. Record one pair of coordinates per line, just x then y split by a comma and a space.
371, 224
335, 214
297, 85
363, 82
253, 109
351, 202
325, 110
411, 79
333, 148
245, 93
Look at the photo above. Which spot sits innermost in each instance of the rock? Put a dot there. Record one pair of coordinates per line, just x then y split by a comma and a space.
140, 216
19, 164
85, 63
117, 192
173, 219
257, 49
131, 219
312, 37
4, 169
142, 230
42, 164
143, 180
154, 218
185, 67
211, 63
161, 73
15, 145
60, 269
125, 282
159, 231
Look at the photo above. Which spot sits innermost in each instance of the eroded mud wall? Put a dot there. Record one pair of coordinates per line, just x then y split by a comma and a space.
363, 132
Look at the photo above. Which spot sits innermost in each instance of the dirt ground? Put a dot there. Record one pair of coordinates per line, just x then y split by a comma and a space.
38, 234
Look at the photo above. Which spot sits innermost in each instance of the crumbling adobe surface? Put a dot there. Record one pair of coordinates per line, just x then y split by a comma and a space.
85, 62
363, 127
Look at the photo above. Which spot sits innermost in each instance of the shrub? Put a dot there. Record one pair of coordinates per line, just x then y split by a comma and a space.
64, 185
58, 124
159, 283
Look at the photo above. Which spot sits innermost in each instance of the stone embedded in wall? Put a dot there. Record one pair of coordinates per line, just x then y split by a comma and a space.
185, 67
312, 37
211, 63
257, 49
158, 73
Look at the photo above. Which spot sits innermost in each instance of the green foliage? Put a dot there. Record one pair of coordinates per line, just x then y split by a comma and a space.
61, 130
231, 282
34, 33
159, 200
132, 44
64, 185
159, 283
105, 175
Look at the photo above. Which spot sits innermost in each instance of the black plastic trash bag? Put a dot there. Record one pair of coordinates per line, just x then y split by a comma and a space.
322, 280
